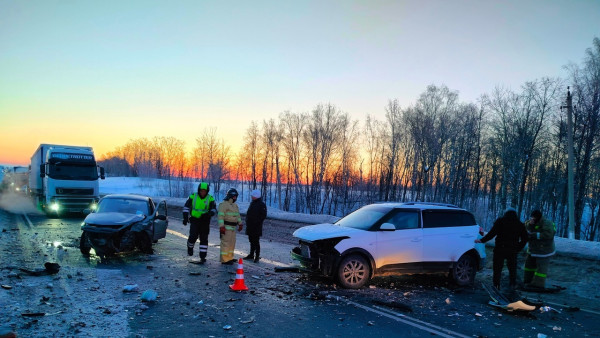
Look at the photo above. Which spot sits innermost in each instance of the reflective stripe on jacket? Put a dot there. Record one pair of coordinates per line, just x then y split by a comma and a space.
229, 212
543, 246
200, 206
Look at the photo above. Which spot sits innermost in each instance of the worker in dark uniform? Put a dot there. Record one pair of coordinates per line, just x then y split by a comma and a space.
541, 248
198, 210
255, 216
511, 238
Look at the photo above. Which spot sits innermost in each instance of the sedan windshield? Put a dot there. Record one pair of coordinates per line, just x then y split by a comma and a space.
365, 217
123, 205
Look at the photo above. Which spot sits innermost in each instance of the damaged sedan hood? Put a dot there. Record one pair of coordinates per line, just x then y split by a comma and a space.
324, 231
112, 218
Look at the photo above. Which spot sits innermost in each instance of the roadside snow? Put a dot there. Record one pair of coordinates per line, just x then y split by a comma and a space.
156, 188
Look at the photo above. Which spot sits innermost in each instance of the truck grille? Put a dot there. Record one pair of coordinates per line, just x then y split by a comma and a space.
75, 191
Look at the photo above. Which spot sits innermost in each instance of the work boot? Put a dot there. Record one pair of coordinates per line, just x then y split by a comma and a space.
190, 251
256, 259
229, 262
202, 260
250, 256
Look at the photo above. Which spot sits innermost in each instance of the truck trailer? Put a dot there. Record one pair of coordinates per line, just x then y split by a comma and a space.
64, 178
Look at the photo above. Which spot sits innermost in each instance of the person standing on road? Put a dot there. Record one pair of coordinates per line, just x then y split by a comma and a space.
255, 216
511, 238
229, 219
202, 207
541, 247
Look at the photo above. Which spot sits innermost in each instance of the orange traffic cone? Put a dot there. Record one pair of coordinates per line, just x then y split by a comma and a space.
239, 284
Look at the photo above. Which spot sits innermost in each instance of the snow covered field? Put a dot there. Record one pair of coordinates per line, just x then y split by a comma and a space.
157, 189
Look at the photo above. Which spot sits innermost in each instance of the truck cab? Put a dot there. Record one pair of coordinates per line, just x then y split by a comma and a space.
65, 178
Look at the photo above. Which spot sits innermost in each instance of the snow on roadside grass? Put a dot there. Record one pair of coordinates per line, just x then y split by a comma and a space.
156, 188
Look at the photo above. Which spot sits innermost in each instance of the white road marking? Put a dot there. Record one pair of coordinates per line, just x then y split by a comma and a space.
28, 220
216, 245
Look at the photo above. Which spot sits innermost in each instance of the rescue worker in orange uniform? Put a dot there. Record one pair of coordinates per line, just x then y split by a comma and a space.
229, 219
202, 207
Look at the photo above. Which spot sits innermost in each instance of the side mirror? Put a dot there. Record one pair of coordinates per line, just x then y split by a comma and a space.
102, 173
42, 170
387, 227
87, 211
161, 217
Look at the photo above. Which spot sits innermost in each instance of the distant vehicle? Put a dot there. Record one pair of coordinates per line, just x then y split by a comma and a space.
123, 223
64, 178
14, 180
393, 238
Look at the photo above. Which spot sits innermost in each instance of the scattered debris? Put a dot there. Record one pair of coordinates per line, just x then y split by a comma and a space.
49, 269
286, 269
149, 267
49, 285
548, 309
247, 321
7, 287
541, 335
372, 287
149, 296
201, 302
557, 328
195, 273
131, 288
478, 314
227, 327
13, 275
33, 314
255, 277
370, 323
448, 301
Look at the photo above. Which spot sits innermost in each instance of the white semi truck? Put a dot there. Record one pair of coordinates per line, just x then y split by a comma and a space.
64, 178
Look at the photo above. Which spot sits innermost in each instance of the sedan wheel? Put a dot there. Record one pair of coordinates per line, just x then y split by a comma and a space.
354, 272
463, 271
84, 244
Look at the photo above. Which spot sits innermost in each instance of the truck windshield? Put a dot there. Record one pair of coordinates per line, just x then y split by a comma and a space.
365, 217
67, 171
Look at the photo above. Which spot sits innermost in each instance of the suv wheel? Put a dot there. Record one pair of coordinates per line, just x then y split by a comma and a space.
353, 272
463, 271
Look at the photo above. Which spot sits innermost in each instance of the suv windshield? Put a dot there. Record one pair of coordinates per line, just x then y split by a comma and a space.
63, 171
364, 218
122, 205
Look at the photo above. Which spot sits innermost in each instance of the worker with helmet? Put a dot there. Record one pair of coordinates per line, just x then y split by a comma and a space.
229, 219
202, 207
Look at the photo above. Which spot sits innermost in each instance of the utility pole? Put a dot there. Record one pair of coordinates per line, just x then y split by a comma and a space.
570, 166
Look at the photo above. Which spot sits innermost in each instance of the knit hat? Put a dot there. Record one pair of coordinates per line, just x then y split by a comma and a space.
255, 193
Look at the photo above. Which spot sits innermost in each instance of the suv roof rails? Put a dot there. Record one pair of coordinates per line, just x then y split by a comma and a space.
433, 203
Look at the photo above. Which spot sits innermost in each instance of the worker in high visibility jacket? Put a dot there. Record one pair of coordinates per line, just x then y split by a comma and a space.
229, 219
198, 210
541, 248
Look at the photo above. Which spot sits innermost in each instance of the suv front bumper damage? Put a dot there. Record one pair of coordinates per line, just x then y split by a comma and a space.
318, 257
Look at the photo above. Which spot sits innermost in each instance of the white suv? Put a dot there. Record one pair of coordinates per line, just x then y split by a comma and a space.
396, 238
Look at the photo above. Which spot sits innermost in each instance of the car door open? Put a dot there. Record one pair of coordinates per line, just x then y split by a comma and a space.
160, 221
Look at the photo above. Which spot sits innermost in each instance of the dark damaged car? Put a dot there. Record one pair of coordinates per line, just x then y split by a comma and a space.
123, 223
393, 238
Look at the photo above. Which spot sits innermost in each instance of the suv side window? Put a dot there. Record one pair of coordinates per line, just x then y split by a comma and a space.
447, 218
404, 219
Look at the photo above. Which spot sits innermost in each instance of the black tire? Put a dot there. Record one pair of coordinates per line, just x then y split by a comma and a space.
353, 272
144, 243
84, 244
463, 272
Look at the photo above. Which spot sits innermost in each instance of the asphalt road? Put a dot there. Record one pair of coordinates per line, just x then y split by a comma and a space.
85, 298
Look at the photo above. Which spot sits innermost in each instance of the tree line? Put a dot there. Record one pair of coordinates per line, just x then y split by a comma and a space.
509, 148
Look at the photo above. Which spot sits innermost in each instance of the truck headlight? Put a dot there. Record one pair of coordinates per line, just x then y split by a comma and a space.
54, 206
93, 206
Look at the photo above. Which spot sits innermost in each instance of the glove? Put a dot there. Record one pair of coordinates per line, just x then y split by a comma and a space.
212, 213
222, 230
185, 219
240, 227
533, 235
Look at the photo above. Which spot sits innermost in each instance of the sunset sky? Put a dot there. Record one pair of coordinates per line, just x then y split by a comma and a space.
104, 72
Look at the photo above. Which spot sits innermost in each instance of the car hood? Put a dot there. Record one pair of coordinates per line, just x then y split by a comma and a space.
112, 218
323, 231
